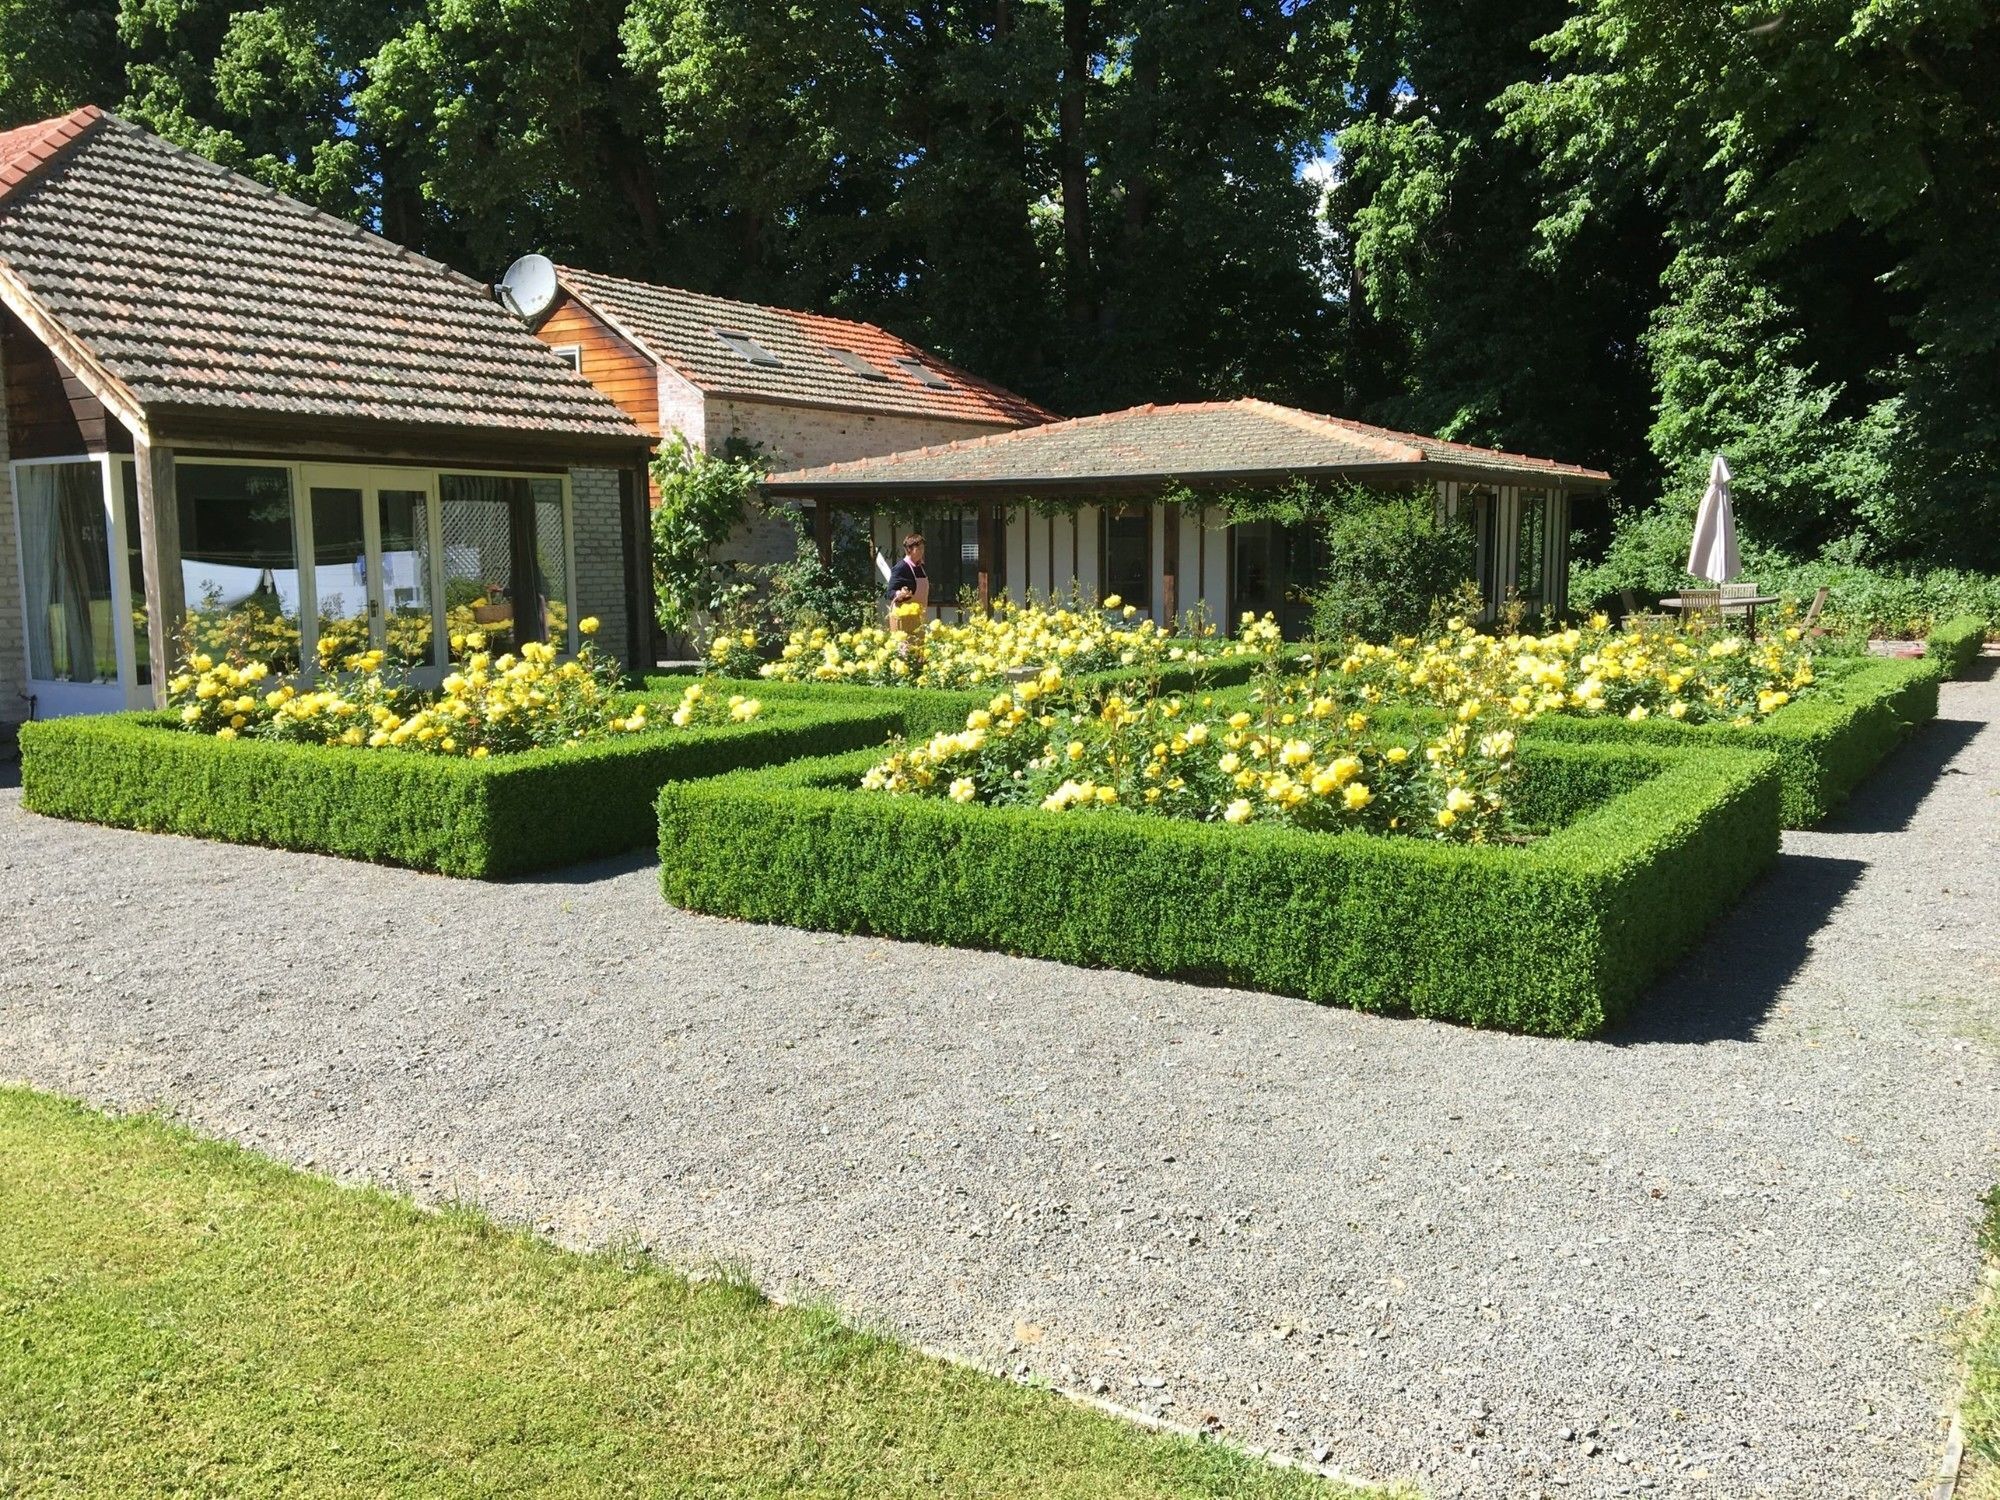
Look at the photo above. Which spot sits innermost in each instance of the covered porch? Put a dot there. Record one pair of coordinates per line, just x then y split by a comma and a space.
1137, 504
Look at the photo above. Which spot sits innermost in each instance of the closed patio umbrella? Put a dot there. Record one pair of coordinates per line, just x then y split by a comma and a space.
1713, 556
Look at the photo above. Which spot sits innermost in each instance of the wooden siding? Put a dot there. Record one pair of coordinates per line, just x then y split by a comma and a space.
51, 413
608, 361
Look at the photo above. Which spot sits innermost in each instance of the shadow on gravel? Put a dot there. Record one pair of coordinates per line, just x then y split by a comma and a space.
10, 772
1723, 990
1886, 800
597, 871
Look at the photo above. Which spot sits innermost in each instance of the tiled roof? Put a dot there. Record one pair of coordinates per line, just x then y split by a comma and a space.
1203, 441
680, 329
198, 289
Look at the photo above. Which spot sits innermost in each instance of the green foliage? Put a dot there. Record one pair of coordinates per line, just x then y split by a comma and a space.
537, 810
1957, 643
320, 1339
1825, 742
1648, 555
1827, 173
1556, 938
1391, 566
703, 498
805, 593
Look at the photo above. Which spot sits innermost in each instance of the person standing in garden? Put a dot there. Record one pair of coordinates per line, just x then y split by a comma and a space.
909, 594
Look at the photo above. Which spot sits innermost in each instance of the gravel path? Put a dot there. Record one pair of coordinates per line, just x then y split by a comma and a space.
1718, 1256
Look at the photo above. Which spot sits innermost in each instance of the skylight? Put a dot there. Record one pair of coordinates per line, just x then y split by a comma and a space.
857, 364
748, 347
918, 370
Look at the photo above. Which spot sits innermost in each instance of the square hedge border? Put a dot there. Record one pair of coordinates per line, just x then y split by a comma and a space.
1957, 643
1558, 937
1825, 742
487, 818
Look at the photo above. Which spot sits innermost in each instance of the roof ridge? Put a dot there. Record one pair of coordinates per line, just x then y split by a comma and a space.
1401, 450
53, 138
688, 291
299, 205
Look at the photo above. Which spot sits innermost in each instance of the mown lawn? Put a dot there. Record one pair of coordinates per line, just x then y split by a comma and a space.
179, 1317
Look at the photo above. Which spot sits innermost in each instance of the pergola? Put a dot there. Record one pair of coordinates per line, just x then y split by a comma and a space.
1148, 453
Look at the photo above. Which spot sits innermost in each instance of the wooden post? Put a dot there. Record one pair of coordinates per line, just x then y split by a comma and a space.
823, 532
159, 559
985, 544
1170, 566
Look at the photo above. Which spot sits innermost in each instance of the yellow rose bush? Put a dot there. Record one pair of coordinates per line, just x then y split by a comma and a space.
488, 705
1693, 675
986, 648
1300, 760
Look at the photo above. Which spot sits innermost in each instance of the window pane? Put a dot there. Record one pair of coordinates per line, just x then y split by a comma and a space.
66, 564
340, 573
406, 576
1128, 556
239, 562
142, 647
551, 571
480, 514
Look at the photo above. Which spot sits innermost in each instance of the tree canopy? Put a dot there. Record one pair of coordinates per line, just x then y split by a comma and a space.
1627, 232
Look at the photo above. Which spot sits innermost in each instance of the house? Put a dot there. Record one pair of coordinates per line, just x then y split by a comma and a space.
1082, 505
801, 388
230, 414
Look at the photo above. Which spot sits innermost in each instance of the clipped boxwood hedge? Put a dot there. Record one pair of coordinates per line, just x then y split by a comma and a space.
1557, 937
483, 818
1956, 644
1826, 741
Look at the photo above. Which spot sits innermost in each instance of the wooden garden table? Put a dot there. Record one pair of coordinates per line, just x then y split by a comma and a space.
1748, 604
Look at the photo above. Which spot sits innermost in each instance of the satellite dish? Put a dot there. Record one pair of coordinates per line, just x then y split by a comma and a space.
529, 285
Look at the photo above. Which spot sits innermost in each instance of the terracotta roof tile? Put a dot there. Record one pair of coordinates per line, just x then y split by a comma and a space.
1203, 441
680, 329
198, 288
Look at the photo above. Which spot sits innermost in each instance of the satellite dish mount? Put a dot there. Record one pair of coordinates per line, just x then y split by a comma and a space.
529, 286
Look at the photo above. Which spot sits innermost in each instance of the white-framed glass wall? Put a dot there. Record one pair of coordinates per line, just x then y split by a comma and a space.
76, 594
293, 564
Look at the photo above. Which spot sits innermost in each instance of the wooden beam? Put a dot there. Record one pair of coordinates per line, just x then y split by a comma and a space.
73, 353
1170, 566
160, 559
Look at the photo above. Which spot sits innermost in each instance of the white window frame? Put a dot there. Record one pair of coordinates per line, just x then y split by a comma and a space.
85, 697
569, 354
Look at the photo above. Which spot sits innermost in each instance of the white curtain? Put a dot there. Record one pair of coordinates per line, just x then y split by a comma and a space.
66, 563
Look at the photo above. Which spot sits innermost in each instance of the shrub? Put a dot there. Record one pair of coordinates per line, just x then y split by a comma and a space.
982, 650
1956, 643
504, 815
1390, 565
1825, 743
1557, 937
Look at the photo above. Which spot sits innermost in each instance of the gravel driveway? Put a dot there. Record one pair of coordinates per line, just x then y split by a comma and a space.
1719, 1255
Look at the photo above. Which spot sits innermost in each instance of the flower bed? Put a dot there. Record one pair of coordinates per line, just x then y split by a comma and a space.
1829, 721
1957, 644
1557, 936
499, 815
1299, 760
985, 648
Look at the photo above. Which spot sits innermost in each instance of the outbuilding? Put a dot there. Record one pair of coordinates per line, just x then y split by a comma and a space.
233, 421
1133, 503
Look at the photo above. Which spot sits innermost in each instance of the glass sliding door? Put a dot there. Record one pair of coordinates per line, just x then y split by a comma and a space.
68, 540
404, 572
340, 572
1126, 547
374, 566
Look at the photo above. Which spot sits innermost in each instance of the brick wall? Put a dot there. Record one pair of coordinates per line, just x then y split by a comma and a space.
800, 437
13, 634
600, 555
